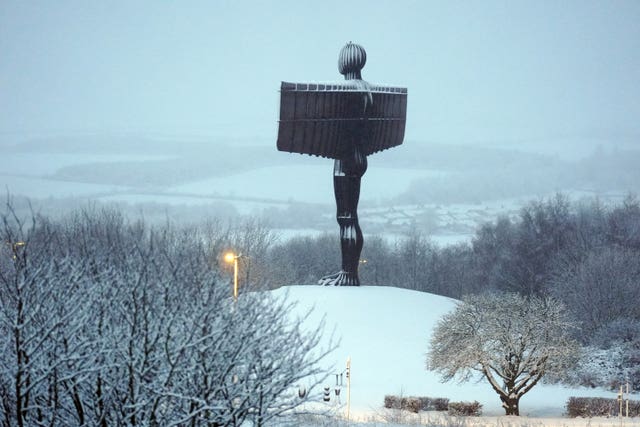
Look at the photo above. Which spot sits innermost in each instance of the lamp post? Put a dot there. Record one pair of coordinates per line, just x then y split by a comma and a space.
14, 247
231, 257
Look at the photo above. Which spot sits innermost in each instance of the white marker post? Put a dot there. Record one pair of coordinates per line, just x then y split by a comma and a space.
620, 399
627, 399
348, 387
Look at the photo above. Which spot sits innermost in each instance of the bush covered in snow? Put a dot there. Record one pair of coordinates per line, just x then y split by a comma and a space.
416, 404
613, 359
587, 407
465, 409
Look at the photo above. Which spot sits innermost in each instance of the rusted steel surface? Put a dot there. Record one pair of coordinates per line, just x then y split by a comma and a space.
327, 119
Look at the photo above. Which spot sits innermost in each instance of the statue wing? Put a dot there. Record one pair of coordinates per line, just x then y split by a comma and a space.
327, 119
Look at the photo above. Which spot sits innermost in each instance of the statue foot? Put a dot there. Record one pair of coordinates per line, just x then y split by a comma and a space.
341, 278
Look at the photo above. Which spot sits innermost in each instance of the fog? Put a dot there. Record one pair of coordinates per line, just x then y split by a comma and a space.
479, 71
156, 96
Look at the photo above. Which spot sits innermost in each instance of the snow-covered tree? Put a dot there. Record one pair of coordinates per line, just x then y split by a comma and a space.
513, 341
612, 358
601, 289
106, 322
43, 308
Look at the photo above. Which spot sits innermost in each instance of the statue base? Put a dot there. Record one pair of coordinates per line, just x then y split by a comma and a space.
341, 278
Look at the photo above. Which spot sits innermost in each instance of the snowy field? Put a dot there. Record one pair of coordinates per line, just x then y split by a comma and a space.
43, 188
252, 192
303, 189
385, 332
305, 183
43, 164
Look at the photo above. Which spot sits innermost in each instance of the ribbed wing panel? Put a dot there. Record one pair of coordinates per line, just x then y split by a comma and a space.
327, 119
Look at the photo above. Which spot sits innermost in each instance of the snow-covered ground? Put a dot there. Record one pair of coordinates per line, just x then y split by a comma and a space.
385, 331
43, 187
42, 164
305, 183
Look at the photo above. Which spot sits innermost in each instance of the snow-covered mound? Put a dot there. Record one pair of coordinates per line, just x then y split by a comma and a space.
386, 332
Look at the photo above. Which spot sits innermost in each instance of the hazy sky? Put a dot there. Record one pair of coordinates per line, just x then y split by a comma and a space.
476, 70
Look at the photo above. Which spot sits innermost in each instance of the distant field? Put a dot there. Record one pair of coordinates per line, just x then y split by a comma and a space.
443, 191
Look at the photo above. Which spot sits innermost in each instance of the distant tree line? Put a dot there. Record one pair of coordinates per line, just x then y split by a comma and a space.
550, 249
481, 175
108, 322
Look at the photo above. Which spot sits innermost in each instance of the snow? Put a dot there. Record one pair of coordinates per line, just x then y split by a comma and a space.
243, 207
385, 331
304, 183
45, 188
346, 86
40, 164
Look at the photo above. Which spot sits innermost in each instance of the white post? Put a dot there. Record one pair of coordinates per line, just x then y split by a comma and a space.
620, 404
348, 387
627, 399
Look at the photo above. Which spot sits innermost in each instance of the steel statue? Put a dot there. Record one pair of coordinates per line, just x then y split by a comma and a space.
345, 121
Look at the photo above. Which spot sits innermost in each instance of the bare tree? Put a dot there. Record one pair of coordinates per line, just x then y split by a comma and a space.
43, 308
303, 259
601, 289
107, 322
513, 341
416, 252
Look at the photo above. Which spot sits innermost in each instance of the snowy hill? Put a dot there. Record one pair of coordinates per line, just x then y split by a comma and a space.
386, 331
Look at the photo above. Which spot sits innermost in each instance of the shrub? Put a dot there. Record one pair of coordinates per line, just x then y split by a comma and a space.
416, 404
441, 404
465, 409
599, 407
412, 404
391, 402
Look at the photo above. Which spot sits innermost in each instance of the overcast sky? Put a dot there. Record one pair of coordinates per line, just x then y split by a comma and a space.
475, 71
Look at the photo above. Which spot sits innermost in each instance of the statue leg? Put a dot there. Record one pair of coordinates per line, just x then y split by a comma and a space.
346, 185
351, 240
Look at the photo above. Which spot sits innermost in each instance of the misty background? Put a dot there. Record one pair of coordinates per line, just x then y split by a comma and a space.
170, 109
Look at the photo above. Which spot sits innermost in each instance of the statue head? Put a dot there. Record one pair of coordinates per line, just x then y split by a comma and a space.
351, 60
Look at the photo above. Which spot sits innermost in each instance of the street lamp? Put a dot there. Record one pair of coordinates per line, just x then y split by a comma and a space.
230, 257
14, 247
